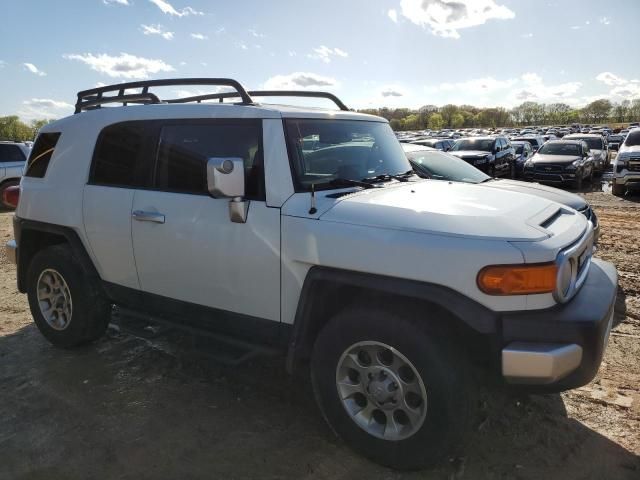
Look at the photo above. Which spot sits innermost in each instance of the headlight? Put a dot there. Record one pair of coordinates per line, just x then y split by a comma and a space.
528, 164
566, 273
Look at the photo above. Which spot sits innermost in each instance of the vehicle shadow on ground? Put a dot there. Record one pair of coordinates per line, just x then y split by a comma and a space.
126, 407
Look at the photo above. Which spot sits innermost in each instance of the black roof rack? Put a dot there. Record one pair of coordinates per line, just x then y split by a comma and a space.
263, 93
94, 98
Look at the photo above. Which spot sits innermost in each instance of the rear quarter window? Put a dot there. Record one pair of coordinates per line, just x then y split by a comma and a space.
41, 154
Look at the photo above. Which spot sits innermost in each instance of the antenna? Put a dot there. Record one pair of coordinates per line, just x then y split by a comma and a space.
313, 209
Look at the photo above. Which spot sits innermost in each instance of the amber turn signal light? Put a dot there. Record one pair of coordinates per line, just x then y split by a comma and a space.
518, 279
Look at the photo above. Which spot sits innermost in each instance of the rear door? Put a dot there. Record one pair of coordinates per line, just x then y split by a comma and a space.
186, 247
117, 170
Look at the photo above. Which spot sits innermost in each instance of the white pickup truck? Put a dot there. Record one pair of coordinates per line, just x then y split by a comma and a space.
307, 230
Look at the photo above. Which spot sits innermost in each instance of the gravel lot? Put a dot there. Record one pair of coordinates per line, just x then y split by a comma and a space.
131, 408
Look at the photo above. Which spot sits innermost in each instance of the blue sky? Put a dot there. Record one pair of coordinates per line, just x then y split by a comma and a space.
369, 52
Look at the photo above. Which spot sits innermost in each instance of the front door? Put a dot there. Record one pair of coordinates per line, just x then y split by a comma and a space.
185, 246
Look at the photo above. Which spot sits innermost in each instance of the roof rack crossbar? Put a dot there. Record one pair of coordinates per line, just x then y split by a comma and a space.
263, 93
94, 98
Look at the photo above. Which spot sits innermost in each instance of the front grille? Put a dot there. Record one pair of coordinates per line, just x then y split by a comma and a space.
587, 212
543, 177
580, 254
545, 168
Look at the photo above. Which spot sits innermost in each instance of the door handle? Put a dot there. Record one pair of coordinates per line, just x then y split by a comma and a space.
142, 216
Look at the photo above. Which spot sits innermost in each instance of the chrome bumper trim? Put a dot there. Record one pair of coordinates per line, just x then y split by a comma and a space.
539, 363
11, 249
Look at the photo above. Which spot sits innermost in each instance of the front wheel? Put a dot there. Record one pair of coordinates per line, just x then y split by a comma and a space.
395, 393
618, 190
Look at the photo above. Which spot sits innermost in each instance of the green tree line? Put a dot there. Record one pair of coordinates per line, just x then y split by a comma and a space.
527, 113
14, 129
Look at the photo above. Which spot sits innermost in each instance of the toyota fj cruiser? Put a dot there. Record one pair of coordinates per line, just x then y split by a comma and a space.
306, 230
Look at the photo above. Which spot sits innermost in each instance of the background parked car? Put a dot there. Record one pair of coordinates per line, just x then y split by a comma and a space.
443, 144
561, 161
430, 163
598, 147
493, 155
13, 156
626, 166
523, 152
536, 141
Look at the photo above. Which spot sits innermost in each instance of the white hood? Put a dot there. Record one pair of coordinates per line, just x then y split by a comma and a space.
455, 209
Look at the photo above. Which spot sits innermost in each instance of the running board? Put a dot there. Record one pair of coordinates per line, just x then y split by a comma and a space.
221, 348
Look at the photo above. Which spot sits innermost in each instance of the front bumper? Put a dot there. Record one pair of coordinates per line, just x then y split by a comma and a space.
627, 178
562, 347
557, 178
11, 250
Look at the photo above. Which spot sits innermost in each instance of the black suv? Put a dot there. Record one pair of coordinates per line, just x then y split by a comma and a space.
561, 161
493, 155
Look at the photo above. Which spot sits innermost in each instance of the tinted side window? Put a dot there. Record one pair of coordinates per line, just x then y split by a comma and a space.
41, 154
117, 155
10, 153
184, 150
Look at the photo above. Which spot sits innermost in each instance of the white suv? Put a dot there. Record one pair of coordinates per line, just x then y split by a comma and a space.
306, 230
12, 160
626, 166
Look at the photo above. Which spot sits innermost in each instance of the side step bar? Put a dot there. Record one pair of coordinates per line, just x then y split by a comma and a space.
221, 348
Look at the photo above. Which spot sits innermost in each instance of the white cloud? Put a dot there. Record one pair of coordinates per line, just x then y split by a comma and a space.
605, 20
2, 63
610, 79
393, 15
122, 66
533, 88
325, 53
256, 34
156, 30
392, 91
527, 35
119, 2
299, 80
199, 36
446, 17
622, 88
46, 103
575, 27
33, 69
37, 108
475, 85
292, 53
169, 9
243, 46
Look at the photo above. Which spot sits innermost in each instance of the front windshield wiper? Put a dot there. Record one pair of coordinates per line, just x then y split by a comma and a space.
401, 177
347, 182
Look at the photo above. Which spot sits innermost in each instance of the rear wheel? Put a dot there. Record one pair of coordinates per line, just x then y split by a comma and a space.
68, 308
395, 393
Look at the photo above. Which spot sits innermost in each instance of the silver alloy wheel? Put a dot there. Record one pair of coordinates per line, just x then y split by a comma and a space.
381, 390
54, 299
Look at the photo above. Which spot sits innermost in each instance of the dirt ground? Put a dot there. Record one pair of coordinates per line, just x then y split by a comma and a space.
130, 408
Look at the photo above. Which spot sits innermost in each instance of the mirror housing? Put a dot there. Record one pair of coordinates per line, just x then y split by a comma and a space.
225, 177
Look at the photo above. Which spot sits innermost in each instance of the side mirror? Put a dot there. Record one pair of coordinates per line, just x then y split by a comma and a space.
225, 179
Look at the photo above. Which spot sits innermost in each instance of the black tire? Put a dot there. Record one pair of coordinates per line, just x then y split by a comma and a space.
442, 366
512, 171
492, 171
591, 177
578, 182
3, 187
618, 190
90, 312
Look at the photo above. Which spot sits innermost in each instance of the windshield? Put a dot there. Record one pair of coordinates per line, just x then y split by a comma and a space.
572, 149
483, 144
442, 166
594, 143
326, 150
633, 139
